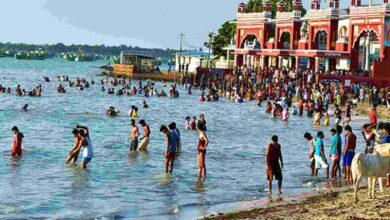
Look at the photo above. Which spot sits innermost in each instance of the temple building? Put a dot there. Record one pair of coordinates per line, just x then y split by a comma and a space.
327, 38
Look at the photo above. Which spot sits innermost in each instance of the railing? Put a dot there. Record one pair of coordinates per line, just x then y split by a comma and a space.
325, 13
254, 16
369, 9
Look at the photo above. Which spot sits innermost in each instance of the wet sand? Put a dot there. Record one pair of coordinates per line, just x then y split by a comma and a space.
328, 205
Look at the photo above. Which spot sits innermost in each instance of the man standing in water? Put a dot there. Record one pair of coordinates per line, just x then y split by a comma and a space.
134, 136
310, 138
85, 143
334, 153
73, 155
17, 143
144, 139
349, 153
272, 157
319, 154
170, 149
172, 127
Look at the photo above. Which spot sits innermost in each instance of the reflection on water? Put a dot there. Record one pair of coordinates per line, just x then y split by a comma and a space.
119, 184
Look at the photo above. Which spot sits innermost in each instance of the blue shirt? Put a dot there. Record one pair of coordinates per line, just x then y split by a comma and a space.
334, 148
386, 140
172, 141
319, 144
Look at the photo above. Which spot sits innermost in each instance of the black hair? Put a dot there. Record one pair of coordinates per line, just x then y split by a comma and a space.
172, 126
132, 121
142, 122
14, 128
201, 127
381, 125
348, 128
333, 130
75, 131
386, 127
163, 128
320, 133
339, 129
275, 138
82, 132
307, 135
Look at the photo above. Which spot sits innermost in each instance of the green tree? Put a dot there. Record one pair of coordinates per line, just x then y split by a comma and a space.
223, 38
257, 6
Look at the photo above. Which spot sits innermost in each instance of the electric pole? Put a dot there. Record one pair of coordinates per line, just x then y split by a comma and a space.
181, 36
211, 35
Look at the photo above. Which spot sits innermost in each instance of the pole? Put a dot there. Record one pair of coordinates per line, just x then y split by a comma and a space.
181, 36
211, 35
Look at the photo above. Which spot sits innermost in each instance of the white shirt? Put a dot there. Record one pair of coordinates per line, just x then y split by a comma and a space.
87, 150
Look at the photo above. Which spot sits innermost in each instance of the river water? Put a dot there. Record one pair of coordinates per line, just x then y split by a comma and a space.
119, 185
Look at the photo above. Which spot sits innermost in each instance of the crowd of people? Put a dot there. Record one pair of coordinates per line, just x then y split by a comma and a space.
286, 92
291, 92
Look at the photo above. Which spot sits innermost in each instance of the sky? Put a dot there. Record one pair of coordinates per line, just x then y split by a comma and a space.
143, 23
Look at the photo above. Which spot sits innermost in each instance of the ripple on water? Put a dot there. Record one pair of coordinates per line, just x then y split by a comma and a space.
118, 184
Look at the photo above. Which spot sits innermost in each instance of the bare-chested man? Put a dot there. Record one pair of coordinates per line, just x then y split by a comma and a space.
74, 155
134, 136
145, 138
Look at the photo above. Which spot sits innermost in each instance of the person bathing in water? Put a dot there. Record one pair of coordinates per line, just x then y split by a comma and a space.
170, 148
25, 107
310, 138
319, 155
273, 168
172, 127
85, 144
203, 142
17, 143
73, 155
145, 105
112, 112
133, 113
134, 136
145, 138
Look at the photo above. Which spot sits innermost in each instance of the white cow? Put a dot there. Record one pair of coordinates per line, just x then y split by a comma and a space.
373, 166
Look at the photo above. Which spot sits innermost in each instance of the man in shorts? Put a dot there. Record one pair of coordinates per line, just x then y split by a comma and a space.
170, 149
134, 136
144, 139
273, 168
310, 138
334, 153
349, 153
319, 154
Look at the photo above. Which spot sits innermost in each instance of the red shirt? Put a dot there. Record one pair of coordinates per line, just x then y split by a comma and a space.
373, 118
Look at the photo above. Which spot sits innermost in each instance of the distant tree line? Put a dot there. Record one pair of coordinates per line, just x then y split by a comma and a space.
88, 49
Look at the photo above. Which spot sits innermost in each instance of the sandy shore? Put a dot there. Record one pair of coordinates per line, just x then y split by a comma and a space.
364, 110
328, 205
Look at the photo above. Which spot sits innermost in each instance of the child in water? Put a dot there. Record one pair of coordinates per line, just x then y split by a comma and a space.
285, 114
187, 124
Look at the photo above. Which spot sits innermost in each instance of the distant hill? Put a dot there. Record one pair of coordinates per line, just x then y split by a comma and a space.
53, 49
